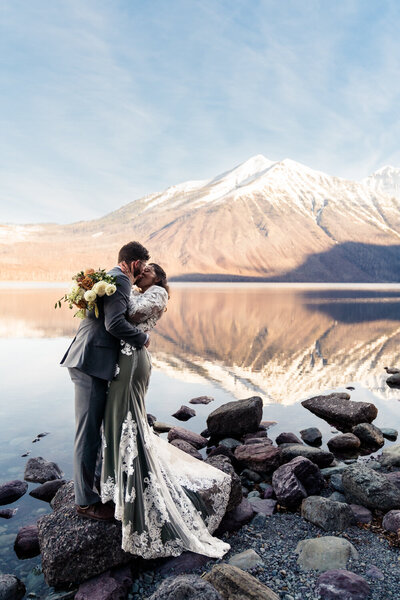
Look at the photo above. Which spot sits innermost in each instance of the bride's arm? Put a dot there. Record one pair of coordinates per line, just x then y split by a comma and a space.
149, 305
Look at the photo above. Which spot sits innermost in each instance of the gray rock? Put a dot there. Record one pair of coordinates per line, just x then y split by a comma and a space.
233, 583
230, 443
389, 433
188, 436
12, 491
7, 513
186, 447
39, 470
151, 419
184, 413
369, 435
345, 442
338, 497
311, 436
201, 400
258, 457
339, 583
361, 514
257, 440
391, 521
323, 553
92, 547
267, 490
287, 437
48, 490
258, 521
236, 518
374, 573
329, 471
223, 464
322, 458
254, 494
393, 380
246, 560
371, 489
184, 587
265, 507
11, 588
327, 514
236, 418
390, 456
260, 433
296, 480
336, 482
161, 427
26, 544
394, 478
339, 410
111, 585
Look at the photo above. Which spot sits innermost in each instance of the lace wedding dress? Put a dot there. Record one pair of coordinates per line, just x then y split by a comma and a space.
167, 501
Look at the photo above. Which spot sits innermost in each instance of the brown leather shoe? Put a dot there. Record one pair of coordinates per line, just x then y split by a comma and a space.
98, 511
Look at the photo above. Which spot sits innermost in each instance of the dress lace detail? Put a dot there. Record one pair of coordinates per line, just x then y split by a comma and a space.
128, 444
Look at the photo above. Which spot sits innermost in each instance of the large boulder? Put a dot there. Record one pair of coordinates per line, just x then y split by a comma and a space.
75, 549
26, 544
259, 457
12, 491
11, 588
323, 553
371, 489
320, 457
186, 586
40, 470
339, 584
296, 480
236, 418
327, 514
369, 435
198, 441
339, 410
231, 582
223, 464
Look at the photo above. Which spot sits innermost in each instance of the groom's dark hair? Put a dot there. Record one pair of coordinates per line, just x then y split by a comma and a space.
133, 251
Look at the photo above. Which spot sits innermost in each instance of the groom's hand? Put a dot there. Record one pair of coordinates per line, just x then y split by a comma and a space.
147, 344
125, 269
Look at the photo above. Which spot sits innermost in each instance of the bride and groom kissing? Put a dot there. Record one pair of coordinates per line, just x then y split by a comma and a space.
167, 501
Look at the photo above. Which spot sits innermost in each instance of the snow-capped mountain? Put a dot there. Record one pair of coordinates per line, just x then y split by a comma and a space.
274, 220
385, 180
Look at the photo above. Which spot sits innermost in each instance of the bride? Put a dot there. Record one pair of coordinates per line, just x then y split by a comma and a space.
166, 500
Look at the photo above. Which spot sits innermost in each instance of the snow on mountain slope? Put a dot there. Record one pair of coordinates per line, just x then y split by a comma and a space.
385, 180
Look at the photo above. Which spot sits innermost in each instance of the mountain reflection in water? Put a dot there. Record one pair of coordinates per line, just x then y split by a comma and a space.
281, 343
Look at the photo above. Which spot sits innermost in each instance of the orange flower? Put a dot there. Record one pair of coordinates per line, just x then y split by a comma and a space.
87, 283
89, 271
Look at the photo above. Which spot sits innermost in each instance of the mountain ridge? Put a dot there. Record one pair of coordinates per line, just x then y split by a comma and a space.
262, 219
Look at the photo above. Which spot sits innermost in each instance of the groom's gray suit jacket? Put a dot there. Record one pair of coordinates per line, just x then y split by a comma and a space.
94, 350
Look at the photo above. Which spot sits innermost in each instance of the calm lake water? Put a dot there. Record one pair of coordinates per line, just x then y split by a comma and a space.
282, 343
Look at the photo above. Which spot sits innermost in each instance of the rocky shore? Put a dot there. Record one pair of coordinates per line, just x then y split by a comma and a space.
303, 522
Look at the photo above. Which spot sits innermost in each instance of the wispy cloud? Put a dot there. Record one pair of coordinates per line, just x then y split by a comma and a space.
105, 102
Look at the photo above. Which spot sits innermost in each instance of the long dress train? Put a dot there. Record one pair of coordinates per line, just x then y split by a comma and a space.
167, 500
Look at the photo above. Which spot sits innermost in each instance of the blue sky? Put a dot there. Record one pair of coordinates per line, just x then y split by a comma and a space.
104, 101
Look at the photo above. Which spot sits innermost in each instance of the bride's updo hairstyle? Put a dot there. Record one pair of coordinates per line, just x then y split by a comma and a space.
161, 277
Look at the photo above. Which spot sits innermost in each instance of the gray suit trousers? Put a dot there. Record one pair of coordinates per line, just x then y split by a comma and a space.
90, 400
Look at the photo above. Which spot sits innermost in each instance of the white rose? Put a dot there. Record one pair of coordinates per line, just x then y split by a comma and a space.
111, 289
74, 288
100, 288
90, 296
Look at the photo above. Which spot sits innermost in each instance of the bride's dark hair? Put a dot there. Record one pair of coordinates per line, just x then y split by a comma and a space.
161, 276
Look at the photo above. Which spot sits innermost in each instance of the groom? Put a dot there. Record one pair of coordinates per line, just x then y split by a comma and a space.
91, 361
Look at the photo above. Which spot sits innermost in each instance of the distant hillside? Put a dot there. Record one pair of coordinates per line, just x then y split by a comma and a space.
262, 220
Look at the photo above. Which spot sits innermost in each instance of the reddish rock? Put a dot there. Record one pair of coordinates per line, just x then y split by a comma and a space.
344, 443
339, 583
186, 447
111, 585
236, 518
361, 514
193, 438
391, 521
266, 507
287, 438
184, 413
296, 480
258, 457
201, 400
236, 418
338, 409
12, 491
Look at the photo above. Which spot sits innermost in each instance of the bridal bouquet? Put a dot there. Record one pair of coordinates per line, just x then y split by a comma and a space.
87, 287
